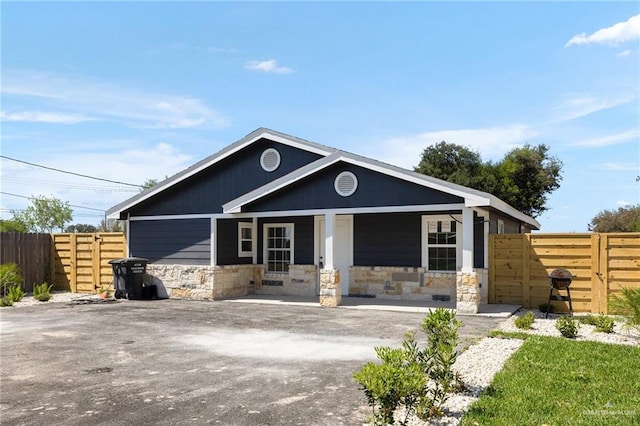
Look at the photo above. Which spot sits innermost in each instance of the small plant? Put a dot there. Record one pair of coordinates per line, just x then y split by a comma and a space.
526, 321
5, 301
602, 323
42, 292
568, 327
627, 305
105, 292
9, 277
15, 293
543, 307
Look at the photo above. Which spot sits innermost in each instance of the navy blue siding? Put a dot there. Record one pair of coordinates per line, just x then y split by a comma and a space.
374, 190
227, 248
303, 241
183, 242
226, 180
478, 241
387, 239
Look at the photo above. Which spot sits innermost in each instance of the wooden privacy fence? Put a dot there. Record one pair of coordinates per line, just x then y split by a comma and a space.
520, 264
32, 254
81, 261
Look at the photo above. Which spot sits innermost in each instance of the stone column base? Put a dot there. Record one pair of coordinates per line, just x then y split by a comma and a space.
467, 293
330, 288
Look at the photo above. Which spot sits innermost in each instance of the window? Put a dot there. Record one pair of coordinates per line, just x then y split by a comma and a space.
441, 243
245, 239
278, 247
500, 226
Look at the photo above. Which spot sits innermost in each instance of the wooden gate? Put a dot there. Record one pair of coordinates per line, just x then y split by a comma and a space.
80, 262
520, 264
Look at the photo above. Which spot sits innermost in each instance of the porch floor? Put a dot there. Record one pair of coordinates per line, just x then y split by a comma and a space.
415, 306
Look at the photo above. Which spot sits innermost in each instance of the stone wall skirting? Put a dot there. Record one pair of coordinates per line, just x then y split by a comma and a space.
402, 283
468, 292
302, 280
202, 282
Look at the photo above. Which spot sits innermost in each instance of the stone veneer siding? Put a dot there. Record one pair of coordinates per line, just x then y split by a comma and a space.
401, 283
218, 282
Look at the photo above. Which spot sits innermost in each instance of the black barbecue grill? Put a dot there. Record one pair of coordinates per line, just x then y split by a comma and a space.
560, 280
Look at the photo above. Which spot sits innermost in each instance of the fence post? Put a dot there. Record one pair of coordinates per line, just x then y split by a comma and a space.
603, 260
52, 261
96, 258
73, 255
526, 270
492, 269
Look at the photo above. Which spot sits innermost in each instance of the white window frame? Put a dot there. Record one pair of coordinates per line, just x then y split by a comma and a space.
500, 226
265, 244
242, 226
425, 240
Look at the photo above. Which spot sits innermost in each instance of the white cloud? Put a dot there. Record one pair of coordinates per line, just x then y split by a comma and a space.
576, 106
270, 65
44, 117
623, 203
490, 142
107, 101
611, 36
620, 166
624, 53
607, 140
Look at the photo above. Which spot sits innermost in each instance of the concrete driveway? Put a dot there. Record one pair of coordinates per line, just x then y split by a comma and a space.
173, 362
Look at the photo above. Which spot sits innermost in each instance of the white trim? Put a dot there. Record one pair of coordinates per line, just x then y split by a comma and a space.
254, 256
265, 257
312, 212
424, 245
500, 226
242, 226
128, 236
467, 240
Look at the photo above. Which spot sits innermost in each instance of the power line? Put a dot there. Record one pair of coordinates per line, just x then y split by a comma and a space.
74, 186
70, 173
70, 205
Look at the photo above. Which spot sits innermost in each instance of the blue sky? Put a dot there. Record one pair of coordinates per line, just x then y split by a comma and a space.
131, 91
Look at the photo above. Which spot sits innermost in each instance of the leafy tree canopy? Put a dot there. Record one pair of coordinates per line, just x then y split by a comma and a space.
45, 214
109, 225
12, 225
149, 183
523, 178
624, 219
81, 228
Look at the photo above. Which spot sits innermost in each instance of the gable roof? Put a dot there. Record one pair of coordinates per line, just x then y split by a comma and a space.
472, 197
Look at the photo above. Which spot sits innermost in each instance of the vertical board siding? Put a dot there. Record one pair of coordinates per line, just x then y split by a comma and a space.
32, 254
227, 243
520, 264
182, 241
387, 239
80, 262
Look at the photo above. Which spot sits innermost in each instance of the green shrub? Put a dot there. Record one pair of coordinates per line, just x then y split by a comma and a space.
15, 293
401, 378
602, 323
627, 305
5, 301
526, 321
568, 327
42, 292
9, 277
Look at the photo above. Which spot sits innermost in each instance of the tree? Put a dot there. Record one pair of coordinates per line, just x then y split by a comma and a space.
109, 225
45, 214
523, 178
12, 225
149, 183
625, 219
81, 228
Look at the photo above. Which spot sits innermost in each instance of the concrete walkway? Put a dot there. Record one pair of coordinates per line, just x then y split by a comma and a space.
364, 303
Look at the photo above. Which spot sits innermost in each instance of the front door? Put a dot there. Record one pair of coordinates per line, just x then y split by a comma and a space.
342, 247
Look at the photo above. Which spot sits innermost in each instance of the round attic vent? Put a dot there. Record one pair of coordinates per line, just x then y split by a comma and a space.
346, 184
270, 159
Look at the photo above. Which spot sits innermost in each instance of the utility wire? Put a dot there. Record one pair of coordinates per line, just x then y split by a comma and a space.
70, 205
70, 173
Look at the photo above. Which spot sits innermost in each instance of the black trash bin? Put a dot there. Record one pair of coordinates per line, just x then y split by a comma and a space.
128, 278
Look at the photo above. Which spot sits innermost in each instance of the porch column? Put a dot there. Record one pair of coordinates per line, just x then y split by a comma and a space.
330, 285
467, 282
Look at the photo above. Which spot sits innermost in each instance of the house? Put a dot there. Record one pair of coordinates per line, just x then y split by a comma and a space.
276, 214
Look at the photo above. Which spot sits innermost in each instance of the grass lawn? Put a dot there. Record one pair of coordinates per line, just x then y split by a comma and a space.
556, 381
